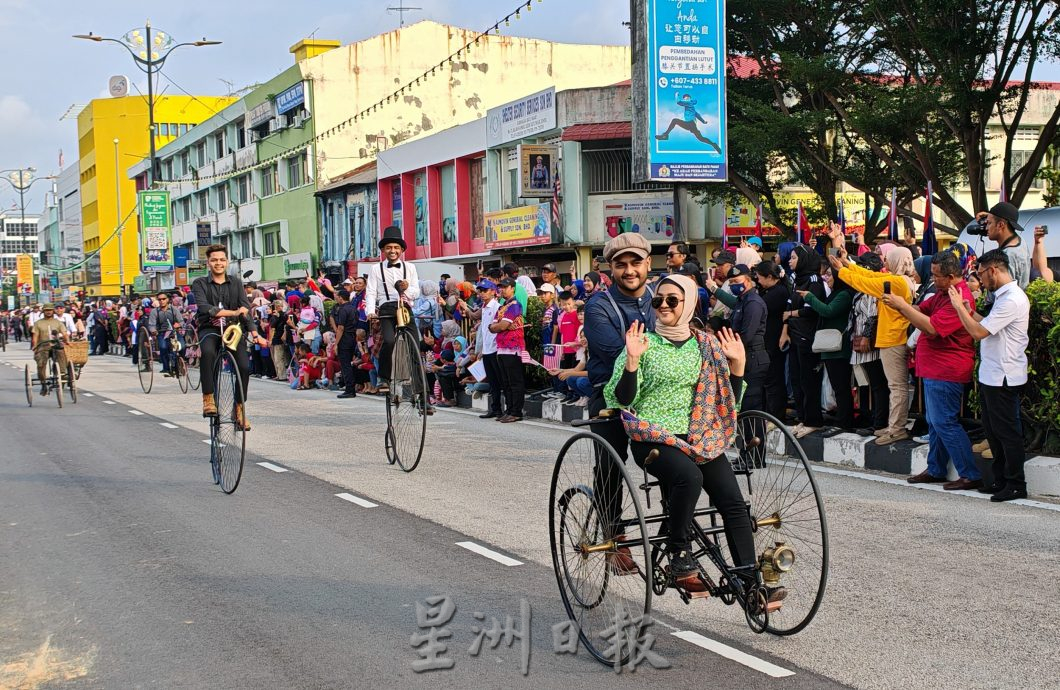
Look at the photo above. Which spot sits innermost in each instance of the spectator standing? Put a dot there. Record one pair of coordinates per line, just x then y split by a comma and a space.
278, 337
549, 275
749, 316
804, 365
1002, 226
487, 344
834, 312
945, 356
1002, 370
510, 343
676, 255
522, 294
865, 356
1039, 263
774, 292
345, 316
724, 261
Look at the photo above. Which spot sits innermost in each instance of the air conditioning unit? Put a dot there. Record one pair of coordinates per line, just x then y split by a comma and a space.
274, 125
299, 120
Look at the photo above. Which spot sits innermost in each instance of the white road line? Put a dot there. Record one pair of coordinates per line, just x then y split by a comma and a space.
734, 654
206, 440
488, 553
109, 402
357, 500
168, 425
823, 469
274, 468
135, 412
89, 395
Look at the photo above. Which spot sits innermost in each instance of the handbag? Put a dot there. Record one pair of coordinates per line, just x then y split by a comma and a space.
827, 340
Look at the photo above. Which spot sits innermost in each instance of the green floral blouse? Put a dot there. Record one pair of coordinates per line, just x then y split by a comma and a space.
666, 383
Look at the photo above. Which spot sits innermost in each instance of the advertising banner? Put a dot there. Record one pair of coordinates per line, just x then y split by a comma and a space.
525, 226
652, 218
683, 48
537, 169
740, 219
523, 118
290, 99
203, 235
156, 254
24, 264
297, 265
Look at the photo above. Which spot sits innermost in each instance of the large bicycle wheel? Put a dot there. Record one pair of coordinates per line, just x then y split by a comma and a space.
145, 362
406, 409
596, 520
191, 364
29, 387
56, 381
71, 380
227, 436
786, 508
181, 373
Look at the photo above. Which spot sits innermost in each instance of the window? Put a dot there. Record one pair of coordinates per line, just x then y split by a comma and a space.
184, 128
269, 183
272, 240
447, 178
222, 196
477, 184
244, 244
202, 206
243, 189
174, 212
270, 243
200, 154
185, 208
220, 150
185, 163
296, 176
241, 134
610, 169
163, 130
1019, 159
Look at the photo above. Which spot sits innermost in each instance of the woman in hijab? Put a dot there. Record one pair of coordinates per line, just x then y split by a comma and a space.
891, 329
592, 283
685, 387
748, 256
804, 365
835, 314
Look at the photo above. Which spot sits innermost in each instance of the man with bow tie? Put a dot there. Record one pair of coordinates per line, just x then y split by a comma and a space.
392, 280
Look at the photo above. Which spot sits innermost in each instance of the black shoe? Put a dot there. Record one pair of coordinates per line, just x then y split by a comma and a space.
346, 394
682, 564
489, 415
991, 488
1008, 494
43, 390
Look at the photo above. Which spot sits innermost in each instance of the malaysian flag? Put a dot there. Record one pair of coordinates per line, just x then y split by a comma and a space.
553, 355
556, 190
527, 359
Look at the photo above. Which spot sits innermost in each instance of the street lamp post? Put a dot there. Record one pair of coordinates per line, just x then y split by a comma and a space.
149, 51
22, 179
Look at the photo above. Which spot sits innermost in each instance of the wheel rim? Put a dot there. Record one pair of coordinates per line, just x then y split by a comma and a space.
72, 381
58, 390
29, 387
407, 403
145, 365
592, 594
182, 374
194, 375
228, 439
779, 483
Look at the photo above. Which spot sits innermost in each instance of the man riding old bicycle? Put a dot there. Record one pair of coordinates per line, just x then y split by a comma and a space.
42, 342
393, 280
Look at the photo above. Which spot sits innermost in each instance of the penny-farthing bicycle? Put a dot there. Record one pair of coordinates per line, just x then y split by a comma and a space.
145, 358
406, 401
597, 521
228, 433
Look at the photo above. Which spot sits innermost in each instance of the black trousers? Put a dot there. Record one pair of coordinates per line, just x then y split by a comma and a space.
839, 371
388, 327
345, 351
755, 374
448, 384
805, 368
1004, 432
879, 393
683, 480
496, 381
775, 388
209, 347
514, 383
607, 483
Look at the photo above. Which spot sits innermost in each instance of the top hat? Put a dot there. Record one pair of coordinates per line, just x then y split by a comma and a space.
392, 234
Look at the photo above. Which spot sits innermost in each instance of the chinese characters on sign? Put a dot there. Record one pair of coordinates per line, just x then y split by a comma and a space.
156, 254
629, 640
685, 78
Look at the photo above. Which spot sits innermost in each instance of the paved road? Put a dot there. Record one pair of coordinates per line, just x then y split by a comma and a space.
131, 570
927, 588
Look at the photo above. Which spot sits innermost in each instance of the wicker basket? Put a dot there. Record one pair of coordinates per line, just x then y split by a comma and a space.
77, 352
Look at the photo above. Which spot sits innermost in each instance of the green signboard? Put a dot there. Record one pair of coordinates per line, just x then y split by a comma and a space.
156, 252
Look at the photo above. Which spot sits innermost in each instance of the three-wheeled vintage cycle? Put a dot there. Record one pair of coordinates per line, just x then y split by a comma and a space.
57, 377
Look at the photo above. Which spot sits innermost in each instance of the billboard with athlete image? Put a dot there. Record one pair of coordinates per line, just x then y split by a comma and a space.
682, 51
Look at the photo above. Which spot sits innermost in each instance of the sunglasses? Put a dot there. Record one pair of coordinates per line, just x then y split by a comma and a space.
671, 254
671, 301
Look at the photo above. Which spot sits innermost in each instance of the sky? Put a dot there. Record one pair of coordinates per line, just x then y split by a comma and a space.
45, 71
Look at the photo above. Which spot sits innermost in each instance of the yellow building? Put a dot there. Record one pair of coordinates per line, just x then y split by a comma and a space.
102, 122
498, 69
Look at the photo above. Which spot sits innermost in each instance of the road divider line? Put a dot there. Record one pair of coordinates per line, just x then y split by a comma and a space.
357, 500
733, 654
135, 412
168, 425
488, 553
89, 395
109, 402
206, 440
274, 468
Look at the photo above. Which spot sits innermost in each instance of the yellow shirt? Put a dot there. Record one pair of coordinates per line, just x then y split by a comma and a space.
892, 328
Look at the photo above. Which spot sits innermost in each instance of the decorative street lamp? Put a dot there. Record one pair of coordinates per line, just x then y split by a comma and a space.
22, 179
149, 49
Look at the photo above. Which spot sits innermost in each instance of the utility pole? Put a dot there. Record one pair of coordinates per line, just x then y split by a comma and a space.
121, 225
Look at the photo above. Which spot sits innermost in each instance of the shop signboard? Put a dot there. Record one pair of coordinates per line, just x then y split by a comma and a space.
156, 254
524, 226
520, 119
297, 265
538, 165
652, 218
290, 99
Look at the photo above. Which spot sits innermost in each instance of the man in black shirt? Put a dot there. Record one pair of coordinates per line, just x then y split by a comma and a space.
221, 300
345, 316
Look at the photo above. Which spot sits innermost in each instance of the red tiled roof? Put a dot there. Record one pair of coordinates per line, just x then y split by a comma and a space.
594, 132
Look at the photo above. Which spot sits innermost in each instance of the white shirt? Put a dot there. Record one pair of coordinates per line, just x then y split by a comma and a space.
68, 321
376, 292
1003, 353
34, 317
487, 340
528, 284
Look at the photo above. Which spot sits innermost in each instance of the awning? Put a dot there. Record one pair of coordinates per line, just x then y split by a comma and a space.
596, 132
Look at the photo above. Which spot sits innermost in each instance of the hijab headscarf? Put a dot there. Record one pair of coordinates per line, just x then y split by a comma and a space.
899, 261
578, 289
748, 257
680, 331
809, 263
922, 265
450, 330
885, 247
595, 278
429, 288
784, 253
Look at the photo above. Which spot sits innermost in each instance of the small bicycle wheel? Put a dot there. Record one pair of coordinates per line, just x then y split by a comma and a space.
57, 379
71, 380
29, 387
227, 435
595, 519
145, 364
406, 403
787, 509
182, 374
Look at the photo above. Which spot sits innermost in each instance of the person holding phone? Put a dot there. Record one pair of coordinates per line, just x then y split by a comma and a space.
1039, 262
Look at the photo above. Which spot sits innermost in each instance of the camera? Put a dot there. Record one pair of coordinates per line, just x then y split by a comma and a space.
976, 227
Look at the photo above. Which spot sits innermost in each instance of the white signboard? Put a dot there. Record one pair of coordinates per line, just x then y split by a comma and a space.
520, 119
297, 265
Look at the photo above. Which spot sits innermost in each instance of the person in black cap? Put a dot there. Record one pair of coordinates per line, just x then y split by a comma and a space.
719, 282
1002, 226
748, 319
549, 275
393, 280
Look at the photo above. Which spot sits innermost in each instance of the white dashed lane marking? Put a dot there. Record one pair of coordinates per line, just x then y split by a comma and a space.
168, 425
357, 500
89, 395
109, 402
760, 665
488, 553
135, 412
274, 468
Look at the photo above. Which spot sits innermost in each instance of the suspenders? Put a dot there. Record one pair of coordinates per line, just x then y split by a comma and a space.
382, 278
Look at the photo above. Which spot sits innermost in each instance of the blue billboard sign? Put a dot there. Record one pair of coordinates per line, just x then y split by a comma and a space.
686, 113
290, 99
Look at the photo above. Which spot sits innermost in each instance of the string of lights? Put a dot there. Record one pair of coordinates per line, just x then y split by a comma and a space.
393, 97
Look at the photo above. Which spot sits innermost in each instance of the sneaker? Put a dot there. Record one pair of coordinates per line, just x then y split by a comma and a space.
685, 572
981, 446
922, 439
582, 402
475, 395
